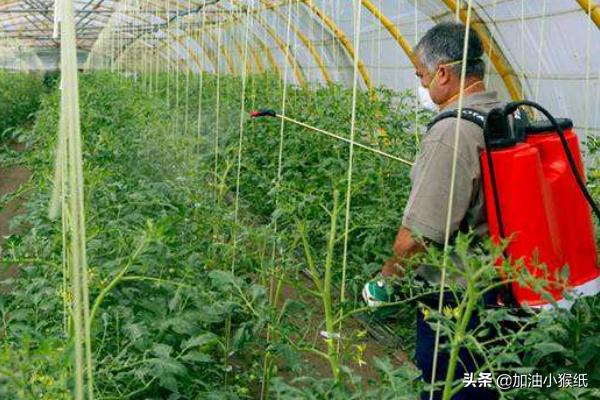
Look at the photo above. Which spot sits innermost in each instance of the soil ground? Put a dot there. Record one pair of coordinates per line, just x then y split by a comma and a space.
11, 179
355, 334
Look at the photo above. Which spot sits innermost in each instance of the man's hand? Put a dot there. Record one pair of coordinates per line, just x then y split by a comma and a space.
392, 267
405, 246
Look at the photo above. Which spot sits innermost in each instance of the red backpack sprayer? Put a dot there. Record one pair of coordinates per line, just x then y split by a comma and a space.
535, 198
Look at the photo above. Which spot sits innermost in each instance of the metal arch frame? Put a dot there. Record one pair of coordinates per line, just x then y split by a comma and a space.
263, 46
259, 64
209, 53
492, 49
592, 8
226, 55
192, 54
269, 56
123, 54
170, 36
291, 58
260, 67
305, 41
391, 28
343, 39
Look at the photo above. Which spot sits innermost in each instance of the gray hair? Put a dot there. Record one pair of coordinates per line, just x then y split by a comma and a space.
444, 43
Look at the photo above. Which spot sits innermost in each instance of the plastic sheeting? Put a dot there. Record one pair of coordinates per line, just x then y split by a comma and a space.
551, 47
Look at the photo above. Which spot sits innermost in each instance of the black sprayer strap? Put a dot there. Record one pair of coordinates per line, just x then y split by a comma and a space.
468, 114
505, 295
492, 121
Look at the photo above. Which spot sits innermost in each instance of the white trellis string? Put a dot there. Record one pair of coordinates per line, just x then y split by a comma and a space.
217, 111
588, 57
357, 25
241, 137
488, 67
200, 41
272, 296
187, 70
417, 83
540, 52
451, 195
283, 110
68, 194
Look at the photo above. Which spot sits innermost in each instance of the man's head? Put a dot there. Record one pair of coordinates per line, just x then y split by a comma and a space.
439, 56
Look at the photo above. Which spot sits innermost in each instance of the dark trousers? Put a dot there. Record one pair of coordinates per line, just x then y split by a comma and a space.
466, 363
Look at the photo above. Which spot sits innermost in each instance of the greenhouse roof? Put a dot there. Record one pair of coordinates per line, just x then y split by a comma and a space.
538, 49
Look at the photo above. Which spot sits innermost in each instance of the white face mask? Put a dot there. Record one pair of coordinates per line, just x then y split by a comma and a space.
425, 99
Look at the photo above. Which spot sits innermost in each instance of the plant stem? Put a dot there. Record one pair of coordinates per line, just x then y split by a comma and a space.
329, 318
117, 278
459, 335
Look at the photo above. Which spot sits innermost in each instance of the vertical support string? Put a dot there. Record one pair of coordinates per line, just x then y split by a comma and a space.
200, 41
169, 53
417, 83
588, 59
357, 34
217, 113
488, 67
241, 137
451, 195
187, 70
70, 182
522, 37
540, 52
272, 285
157, 56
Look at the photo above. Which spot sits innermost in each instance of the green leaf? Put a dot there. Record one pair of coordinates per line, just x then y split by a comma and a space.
162, 350
196, 356
200, 340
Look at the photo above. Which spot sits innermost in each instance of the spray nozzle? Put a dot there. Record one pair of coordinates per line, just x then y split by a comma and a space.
263, 113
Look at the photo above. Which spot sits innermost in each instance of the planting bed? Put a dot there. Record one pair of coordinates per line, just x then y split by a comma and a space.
216, 257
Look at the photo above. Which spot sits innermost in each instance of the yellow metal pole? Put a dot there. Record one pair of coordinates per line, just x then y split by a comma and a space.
226, 55
592, 8
307, 43
341, 36
282, 46
260, 68
391, 28
270, 57
492, 49
209, 53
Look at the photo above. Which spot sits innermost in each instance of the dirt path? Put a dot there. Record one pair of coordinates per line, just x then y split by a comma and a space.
355, 335
11, 179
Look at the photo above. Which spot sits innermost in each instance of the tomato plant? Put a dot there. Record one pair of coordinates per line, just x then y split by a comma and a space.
197, 284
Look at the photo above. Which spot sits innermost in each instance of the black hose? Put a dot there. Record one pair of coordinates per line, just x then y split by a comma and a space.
493, 183
511, 107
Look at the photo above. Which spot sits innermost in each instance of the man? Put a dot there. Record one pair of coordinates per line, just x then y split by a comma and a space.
439, 56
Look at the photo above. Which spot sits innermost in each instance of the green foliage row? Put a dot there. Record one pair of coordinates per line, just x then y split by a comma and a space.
19, 99
182, 262
170, 319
